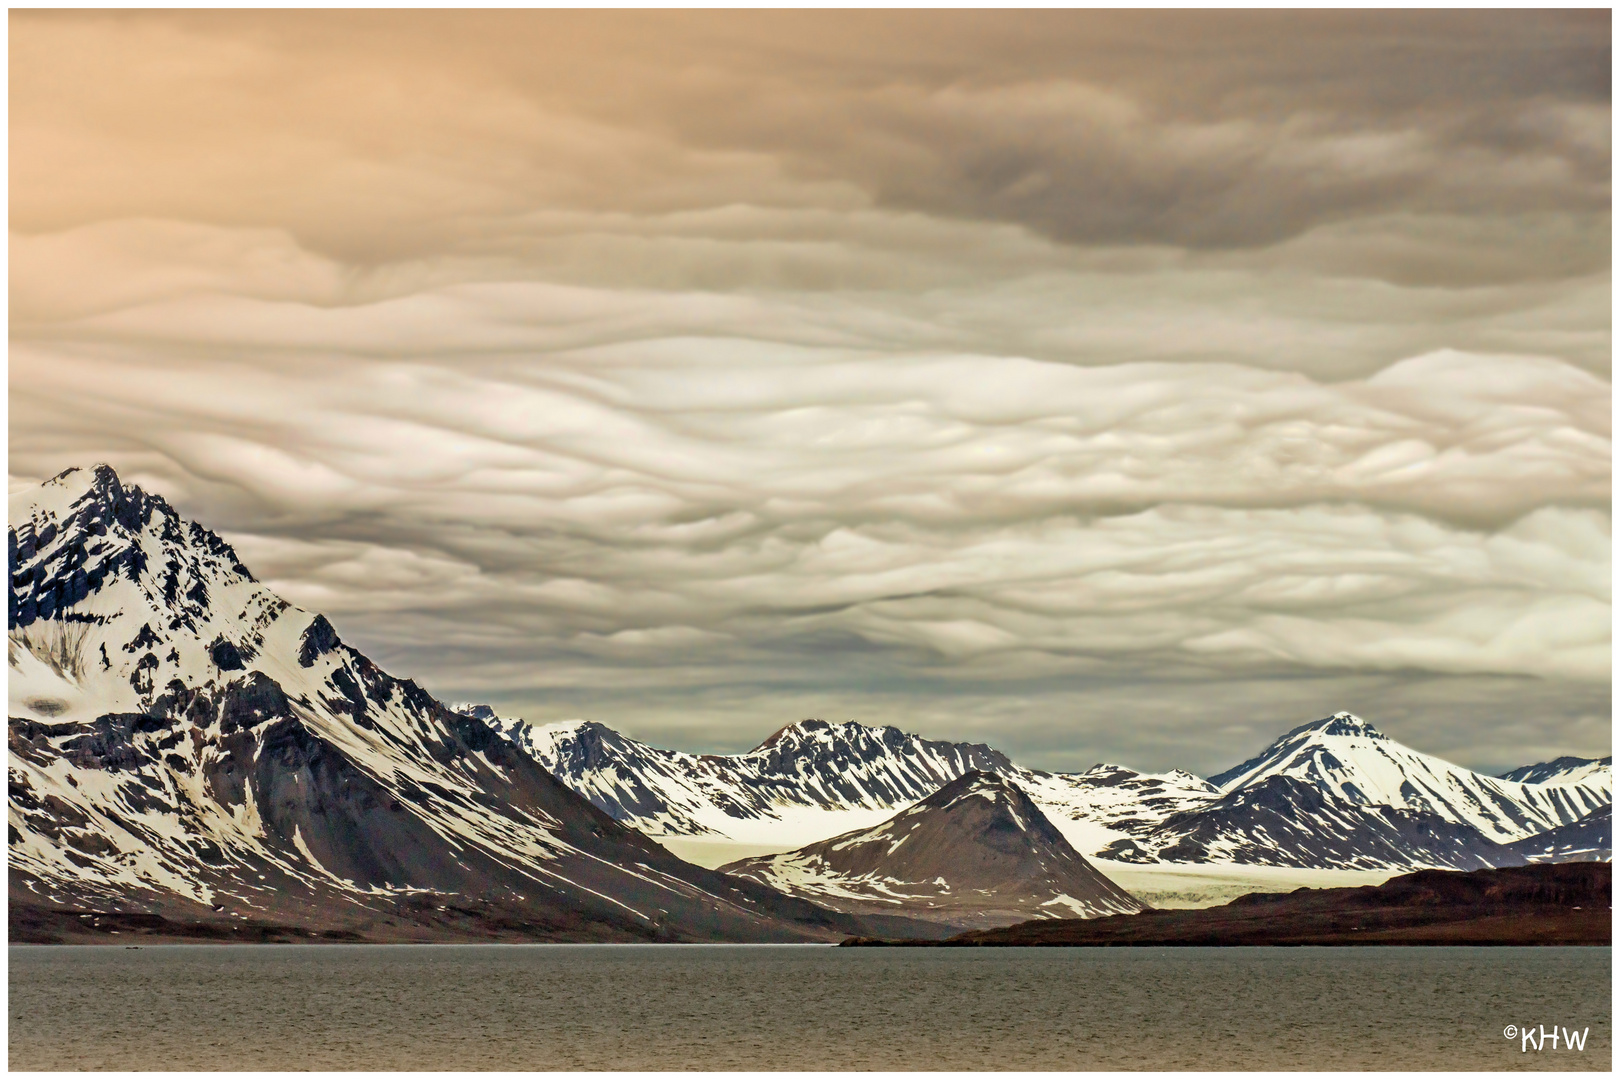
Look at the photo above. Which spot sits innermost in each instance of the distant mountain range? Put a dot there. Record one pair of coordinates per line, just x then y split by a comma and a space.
798, 784
186, 746
1564, 770
1336, 793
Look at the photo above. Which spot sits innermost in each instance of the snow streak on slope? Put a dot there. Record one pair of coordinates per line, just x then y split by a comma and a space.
1338, 793
1590, 839
807, 781
1347, 758
1596, 773
180, 735
1332, 794
976, 853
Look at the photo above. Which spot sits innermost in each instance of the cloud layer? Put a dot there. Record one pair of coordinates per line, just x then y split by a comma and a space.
959, 381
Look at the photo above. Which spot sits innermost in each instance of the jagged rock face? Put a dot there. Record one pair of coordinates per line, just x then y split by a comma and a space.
1353, 798
182, 739
976, 853
1591, 839
810, 766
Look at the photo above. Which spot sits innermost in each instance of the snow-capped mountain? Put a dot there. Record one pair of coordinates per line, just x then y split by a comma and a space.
1592, 772
1347, 758
1284, 821
1108, 803
807, 781
182, 740
1332, 794
816, 779
975, 853
1591, 839
1339, 793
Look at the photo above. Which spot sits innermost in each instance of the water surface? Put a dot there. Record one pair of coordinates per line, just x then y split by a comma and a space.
653, 1007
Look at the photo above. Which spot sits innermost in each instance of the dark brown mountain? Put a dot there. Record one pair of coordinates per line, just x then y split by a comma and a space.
977, 852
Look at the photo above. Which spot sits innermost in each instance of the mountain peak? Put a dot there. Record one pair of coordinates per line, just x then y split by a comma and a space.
973, 782
1343, 723
788, 732
99, 486
82, 530
977, 852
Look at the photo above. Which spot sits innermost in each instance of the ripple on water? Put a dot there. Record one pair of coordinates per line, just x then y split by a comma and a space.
566, 1007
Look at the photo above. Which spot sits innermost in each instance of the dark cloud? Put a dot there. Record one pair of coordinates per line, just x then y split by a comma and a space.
1183, 128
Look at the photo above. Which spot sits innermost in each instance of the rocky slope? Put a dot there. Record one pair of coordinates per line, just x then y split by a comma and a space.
185, 743
1591, 839
977, 852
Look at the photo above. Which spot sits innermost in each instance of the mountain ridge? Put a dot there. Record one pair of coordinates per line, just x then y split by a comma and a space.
1345, 794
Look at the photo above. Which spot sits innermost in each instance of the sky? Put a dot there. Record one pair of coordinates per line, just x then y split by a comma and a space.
1104, 386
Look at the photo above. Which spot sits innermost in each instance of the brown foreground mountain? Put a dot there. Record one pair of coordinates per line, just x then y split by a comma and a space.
976, 853
1554, 904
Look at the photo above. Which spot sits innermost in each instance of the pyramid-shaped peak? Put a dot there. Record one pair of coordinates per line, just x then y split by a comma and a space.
977, 852
975, 782
1344, 723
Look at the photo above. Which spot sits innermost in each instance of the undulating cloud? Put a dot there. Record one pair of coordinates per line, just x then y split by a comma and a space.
1124, 401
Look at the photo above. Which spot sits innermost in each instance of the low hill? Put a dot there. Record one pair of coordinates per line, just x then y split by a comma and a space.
1553, 904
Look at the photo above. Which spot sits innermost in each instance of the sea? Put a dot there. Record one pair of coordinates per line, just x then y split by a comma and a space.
785, 1007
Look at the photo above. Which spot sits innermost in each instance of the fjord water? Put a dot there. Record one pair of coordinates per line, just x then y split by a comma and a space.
652, 1007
